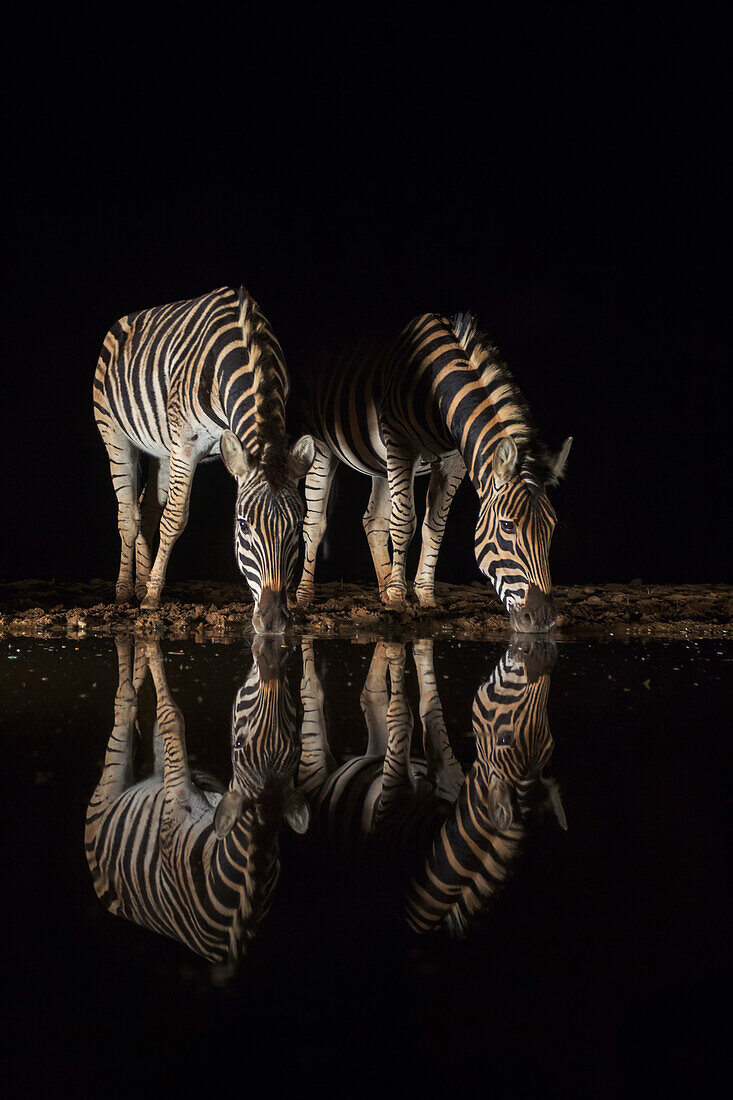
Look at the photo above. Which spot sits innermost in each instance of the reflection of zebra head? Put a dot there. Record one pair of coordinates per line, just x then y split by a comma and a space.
512, 731
514, 531
474, 851
265, 749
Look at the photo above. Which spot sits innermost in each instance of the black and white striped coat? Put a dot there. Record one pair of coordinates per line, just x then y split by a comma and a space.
177, 852
183, 383
455, 836
440, 400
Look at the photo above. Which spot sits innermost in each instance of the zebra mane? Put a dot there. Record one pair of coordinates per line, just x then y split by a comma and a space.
534, 458
271, 448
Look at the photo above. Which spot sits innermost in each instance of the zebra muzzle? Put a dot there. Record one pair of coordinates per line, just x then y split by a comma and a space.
271, 616
537, 614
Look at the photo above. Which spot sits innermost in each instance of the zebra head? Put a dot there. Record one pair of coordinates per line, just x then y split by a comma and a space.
265, 749
267, 524
512, 731
513, 534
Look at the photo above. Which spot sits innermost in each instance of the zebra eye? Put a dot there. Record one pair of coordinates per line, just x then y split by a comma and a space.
505, 739
243, 525
239, 743
507, 525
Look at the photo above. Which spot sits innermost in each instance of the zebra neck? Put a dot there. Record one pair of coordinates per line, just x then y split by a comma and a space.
477, 421
242, 875
469, 860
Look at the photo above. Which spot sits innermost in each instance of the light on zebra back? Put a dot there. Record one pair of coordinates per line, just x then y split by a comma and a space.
454, 836
178, 852
182, 384
437, 400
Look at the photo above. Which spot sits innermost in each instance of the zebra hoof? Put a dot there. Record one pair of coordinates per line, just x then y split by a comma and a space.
304, 597
150, 603
124, 597
141, 590
395, 600
426, 600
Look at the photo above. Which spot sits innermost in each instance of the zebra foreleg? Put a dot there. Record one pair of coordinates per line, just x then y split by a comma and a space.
397, 777
152, 503
316, 762
374, 701
173, 522
402, 521
376, 528
445, 477
317, 489
171, 728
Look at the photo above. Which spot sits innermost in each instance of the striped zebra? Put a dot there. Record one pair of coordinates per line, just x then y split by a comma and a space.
182, 384
437, 400
177, 852
456, 835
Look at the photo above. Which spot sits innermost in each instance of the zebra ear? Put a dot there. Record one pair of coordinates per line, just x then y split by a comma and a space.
559, 461
505, 460
235, 457
555, 801
296, 811
500, 804
227, 813
301, 457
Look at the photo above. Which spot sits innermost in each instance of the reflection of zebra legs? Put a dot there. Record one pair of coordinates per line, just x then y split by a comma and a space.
376, 527
317, 489
445, 477
316, 762
152, 502
444, 772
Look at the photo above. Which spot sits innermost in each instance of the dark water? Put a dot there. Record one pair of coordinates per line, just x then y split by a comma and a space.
596, 960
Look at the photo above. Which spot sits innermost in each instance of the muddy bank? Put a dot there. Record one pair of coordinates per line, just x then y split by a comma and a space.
206, 610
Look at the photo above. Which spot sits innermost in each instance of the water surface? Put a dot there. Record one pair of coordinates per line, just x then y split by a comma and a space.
592, 955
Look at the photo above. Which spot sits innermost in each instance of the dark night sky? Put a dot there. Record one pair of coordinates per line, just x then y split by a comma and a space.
561, 177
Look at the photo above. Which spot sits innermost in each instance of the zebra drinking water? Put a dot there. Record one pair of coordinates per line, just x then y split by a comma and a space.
438, 399
183, 383
177, 852
452, 837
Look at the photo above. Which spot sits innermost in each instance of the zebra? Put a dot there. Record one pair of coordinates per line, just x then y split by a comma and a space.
177, 852
457, 834
440, 400
184, 383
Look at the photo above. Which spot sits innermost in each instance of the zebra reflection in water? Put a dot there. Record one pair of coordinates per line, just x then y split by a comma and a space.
453, 836
178, 852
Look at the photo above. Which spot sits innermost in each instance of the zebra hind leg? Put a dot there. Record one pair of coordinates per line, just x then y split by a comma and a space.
152, 502
445, 477
376, 527
317, 488
172, 523
402, 521
123, 463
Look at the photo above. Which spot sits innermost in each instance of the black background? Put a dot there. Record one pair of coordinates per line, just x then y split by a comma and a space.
558, 174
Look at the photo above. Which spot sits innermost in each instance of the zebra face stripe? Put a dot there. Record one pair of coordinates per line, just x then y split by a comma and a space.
267, 531
512, 543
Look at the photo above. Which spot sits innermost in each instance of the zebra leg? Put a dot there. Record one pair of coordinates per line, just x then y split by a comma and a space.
316, 762
401, 474
317, 488
444, 771
173, 521
397, 777
445, 477
376, 527
123, 459
152, 503
116, 774
374, 702
171, 729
